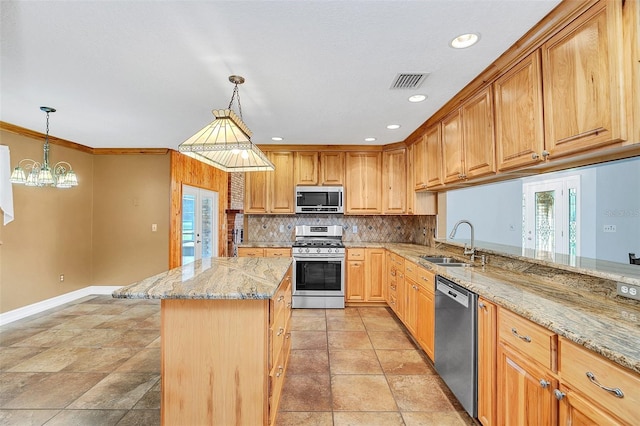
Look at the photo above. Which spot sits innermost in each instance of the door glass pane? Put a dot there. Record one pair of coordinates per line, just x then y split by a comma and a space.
207, 227
573, 222
188, 228
545, 221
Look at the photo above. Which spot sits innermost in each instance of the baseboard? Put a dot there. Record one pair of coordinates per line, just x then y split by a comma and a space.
41, 306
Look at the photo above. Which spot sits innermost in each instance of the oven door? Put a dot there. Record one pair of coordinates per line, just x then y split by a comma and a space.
318, 276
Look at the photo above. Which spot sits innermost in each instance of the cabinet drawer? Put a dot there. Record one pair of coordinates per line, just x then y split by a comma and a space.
355, 254
250, 252
577, 364
411, 270
277, 252
426, 279
529, 339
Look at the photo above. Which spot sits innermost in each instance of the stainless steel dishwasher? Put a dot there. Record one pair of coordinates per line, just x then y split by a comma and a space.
456, 342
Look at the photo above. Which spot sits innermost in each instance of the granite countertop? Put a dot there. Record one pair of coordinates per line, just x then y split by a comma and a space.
268, 244
216, 278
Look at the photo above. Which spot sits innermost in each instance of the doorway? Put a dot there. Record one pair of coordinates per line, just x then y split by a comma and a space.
550, 212
199, 224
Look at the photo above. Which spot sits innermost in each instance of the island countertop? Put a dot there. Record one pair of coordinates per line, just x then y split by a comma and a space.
216, 278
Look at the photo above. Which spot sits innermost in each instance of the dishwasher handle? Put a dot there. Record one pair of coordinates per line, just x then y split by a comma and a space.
452, 293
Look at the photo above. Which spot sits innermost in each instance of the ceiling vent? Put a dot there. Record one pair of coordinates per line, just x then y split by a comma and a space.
409, 81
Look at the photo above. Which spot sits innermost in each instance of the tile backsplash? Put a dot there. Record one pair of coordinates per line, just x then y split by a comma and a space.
396, 229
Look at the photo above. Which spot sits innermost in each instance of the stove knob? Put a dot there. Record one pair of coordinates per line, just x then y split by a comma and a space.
329, 250
307, 249
318, 249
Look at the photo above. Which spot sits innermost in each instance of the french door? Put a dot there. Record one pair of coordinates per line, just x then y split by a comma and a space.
550, 216
199, 224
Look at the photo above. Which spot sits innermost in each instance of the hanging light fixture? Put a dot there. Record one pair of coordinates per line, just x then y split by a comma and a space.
225, 143
61, 175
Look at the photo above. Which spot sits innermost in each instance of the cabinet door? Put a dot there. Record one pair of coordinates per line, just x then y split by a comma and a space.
487, 366
433, 152
332, 168
364, 183
282, 183
426, 321
525, 392
374, 275
256, 192
411, 307
519, 124
576, 410
420, 164
394, 181
355, 281
583, 82
411, 195
478, 137
452, 151
306, 168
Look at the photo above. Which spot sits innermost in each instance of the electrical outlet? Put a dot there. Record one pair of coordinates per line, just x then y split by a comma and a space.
154, 227
609, 228
355, 229
281, 228
61, 277
629, 290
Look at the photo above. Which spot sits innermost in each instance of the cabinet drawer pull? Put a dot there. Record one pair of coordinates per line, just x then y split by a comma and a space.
559, 395
280, 331
615, 391
544, 384
281, 298
515, 333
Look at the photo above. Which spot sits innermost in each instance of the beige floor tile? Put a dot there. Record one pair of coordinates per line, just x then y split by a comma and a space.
295, 313
26, 417
135, 338
141, 418
346, 312
381, 324
308, 340
51, 360
451, 418
50, 337
103, 360
50, 390
404, 361
304, 418
354, 362
10, 336
84, 321
308, 362
10, 357
116, 391
351, 392
363, 418
310, 392
380, 312
345, 323
145, 361
95, 338
309, 323
87, 417
419, 393
390, 340
348, 340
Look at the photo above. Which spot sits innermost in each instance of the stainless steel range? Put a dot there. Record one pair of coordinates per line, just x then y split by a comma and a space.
318, 267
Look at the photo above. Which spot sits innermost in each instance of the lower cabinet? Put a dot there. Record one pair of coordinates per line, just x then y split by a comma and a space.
487, 364
365, 275
264, 252
395, 283
419, 305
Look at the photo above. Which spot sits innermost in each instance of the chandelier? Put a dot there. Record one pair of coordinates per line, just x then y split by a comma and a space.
61, 175
225, 143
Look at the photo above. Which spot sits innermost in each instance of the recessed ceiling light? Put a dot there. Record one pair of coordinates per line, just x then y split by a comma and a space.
417, 98
276, 138
464, 40
393, 126
369, 139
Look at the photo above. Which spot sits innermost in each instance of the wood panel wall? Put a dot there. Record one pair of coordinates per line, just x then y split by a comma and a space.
186, 170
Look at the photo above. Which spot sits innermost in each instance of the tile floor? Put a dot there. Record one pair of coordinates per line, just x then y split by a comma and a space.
96, 361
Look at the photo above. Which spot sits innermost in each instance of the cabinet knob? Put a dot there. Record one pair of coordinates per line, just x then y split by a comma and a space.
544, 384
559, 394
545, 153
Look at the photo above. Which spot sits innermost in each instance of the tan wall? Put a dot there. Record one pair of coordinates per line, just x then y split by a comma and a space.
131, 192
51, 233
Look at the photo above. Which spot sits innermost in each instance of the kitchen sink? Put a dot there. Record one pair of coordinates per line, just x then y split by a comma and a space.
444, 261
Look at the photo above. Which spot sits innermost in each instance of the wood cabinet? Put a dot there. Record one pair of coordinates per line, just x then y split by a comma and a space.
583, 81
420, 164
433, 154
487, 365
364, 183
245, 346
319, 168
272, 192
468, 145
411, 194
395, 283
527, 360
419, 305
595, 390
518, 111
365, 275
394, 181
264, 252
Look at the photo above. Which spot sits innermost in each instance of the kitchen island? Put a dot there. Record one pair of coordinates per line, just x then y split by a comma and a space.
225, 338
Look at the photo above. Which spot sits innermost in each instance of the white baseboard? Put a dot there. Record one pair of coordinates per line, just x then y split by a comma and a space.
38, 307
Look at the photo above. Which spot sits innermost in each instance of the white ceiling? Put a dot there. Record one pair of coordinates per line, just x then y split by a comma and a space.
148, 73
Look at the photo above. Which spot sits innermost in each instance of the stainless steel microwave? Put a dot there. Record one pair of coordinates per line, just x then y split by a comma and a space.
319, 199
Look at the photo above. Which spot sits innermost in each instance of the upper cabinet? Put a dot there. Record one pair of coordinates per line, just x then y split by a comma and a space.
433, 147
319, 168
518, 111
271, 192
468, 146
582, 69
420, 164
394, 181
363, 189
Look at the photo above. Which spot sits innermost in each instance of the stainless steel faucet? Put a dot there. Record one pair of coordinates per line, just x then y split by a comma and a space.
472, 249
